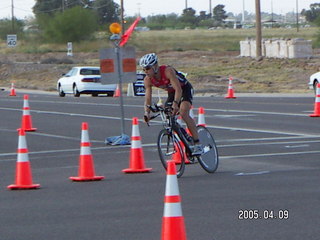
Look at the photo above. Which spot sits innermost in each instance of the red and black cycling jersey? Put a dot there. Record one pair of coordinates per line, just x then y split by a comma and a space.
164, 82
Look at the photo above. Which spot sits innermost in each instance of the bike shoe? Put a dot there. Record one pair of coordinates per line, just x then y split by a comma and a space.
197, 150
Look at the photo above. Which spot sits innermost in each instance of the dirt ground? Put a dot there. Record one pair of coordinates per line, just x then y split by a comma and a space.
208, 71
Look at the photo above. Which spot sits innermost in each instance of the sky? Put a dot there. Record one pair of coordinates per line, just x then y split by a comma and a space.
23, 8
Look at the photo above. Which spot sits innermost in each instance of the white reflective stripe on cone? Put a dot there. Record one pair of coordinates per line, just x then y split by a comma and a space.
23, 157
135, 144
22, 144
172, 210
135, 130
85, 150
85, 136
26, 111
172, 188
25, 103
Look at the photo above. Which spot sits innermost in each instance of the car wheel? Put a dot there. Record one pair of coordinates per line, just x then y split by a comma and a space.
76, 93
315, 84
94, 94
61, 92
110, 94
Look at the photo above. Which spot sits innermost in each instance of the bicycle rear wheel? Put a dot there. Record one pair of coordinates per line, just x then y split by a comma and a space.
209, 160
170, 149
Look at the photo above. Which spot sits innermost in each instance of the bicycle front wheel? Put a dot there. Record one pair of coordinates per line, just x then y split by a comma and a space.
209, 160
170, 149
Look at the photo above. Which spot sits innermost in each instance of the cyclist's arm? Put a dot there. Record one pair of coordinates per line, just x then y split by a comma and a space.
171, 75
148, 94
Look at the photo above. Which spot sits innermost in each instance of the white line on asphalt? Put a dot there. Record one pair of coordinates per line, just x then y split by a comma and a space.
252, 173
268, 154
272, 143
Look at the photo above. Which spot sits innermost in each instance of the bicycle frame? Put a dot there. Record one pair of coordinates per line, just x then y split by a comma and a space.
170, 123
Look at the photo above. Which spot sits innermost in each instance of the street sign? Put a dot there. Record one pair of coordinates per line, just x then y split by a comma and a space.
12, 40
69, 48
109, 66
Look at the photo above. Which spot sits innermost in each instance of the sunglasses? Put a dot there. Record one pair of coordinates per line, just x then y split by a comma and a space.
147, 68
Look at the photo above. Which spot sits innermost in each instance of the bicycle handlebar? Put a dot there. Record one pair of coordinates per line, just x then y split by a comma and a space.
156, 108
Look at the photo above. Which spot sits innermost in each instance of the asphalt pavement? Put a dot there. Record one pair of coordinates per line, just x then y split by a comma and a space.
266, 186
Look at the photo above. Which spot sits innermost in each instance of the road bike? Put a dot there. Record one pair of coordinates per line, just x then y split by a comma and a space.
174, 143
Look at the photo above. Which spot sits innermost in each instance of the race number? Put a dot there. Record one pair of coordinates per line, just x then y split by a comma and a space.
11, 40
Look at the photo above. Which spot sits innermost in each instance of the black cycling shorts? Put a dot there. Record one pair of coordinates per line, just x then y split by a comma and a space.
187, 94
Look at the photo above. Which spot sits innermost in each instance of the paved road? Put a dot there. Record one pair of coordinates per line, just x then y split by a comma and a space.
269, 162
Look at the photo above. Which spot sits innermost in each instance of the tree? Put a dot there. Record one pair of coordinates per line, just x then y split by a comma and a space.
106, 10
7, 28
312, 14
219, 14
73, 25
189, 17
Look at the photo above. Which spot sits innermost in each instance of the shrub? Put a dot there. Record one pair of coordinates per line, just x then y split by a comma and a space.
73, 25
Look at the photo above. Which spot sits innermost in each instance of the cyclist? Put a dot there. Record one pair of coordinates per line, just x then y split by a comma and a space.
180, 92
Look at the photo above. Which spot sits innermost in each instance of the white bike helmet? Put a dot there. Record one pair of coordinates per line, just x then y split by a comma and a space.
148, 60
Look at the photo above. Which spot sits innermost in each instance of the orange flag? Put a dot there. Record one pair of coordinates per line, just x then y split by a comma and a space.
125, 37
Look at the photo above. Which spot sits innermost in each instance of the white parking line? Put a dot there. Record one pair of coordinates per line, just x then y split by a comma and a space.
268, 154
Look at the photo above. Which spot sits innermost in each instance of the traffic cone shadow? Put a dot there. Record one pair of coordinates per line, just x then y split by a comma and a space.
173, 226
23, 177
136, 161
26, 123
86, 170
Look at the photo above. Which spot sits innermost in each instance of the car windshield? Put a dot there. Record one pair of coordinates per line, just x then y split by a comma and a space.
89, 72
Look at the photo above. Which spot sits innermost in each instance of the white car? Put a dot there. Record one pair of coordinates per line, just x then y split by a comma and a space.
314, 80
84, 80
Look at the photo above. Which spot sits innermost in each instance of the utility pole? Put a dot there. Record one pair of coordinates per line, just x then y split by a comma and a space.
258, 30
186, 4
297, 15
243, 19
122, 16
12, 16
210, 8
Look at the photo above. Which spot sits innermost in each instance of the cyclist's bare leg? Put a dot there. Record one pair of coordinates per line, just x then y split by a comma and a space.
185, 107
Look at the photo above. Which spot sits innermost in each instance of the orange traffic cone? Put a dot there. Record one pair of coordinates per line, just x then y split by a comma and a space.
191, 114
12, 91
86, 167
26, 123
117, 92
176, 157
230, 89
23, 179
136, 162
201, 119
173, 226
316, 112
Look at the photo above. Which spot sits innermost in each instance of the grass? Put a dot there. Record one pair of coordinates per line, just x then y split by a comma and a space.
218, 40
208, 56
